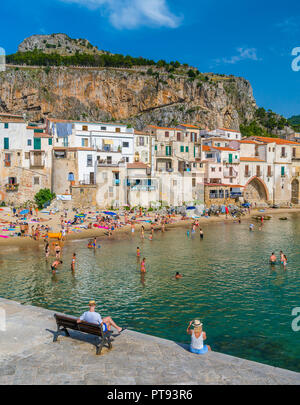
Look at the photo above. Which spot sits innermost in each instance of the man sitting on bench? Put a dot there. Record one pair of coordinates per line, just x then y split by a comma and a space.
94, 317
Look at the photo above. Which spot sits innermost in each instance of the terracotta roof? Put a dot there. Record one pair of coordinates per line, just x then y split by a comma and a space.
140, 133
156, 127
11, 115
224, 149
251, 159
250, 141
229, 130
206, 148
12, 120
278, 141
137, 165
189, 126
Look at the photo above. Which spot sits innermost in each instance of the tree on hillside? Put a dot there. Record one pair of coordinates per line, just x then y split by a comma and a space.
43, 196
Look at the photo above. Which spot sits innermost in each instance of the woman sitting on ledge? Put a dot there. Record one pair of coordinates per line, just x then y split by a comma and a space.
197, 338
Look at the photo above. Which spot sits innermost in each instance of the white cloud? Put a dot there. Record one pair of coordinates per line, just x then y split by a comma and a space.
131, 14
243, 54
289, 25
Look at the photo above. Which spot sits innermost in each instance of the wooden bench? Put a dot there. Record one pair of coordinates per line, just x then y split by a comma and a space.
65, 322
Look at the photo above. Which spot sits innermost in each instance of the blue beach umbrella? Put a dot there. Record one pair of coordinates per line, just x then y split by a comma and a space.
23, 212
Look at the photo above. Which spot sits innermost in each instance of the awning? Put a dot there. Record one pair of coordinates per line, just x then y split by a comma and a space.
108, 141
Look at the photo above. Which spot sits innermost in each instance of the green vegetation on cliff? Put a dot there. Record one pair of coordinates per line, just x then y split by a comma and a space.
264, 123
295, 122
38, 58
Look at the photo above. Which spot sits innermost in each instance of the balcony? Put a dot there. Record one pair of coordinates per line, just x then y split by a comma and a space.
11, 187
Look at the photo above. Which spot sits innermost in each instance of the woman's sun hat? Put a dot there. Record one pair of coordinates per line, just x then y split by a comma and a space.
197, 323
92, 303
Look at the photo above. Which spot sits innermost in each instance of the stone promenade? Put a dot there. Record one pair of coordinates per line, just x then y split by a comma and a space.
28, 356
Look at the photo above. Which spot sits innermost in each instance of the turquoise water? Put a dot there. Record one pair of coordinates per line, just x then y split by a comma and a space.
244, 304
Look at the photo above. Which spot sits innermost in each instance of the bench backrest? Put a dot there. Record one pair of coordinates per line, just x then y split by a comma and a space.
71, 323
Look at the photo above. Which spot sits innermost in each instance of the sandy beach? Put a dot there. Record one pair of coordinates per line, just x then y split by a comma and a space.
53, 222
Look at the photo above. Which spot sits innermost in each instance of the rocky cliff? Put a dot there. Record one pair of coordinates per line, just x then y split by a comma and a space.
126, 95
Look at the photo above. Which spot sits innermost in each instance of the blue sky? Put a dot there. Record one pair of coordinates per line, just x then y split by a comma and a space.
253, 39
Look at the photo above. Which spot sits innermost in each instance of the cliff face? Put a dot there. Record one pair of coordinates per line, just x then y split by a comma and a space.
124, 95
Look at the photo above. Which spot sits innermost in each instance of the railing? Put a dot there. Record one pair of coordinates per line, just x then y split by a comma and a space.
12, 187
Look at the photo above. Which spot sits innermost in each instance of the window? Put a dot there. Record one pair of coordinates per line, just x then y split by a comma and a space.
167, 134
84, 127
125, 144
71, 176
118, 129
7, 162
6, 143
109, 160
103, 128
127, 159
193, 182
282, 171
269, 171
220, 169
6, 125
258, 171
50, 141
181, 148
155, 147
186, 148
29, 142
89, 160
84, 142
141, 141
283, 154
12, 180
213, 169
294, 152
36, 180
27, 155
246, 170
221, 193
178, 136
194, 164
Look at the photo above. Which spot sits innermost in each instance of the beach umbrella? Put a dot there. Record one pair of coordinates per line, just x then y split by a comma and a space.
23, 212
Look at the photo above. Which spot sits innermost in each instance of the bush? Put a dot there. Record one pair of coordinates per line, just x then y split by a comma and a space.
43, 196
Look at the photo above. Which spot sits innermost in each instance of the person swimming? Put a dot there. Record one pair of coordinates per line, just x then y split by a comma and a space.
273, 259
143, 265
55, 264
178, 275
73, 262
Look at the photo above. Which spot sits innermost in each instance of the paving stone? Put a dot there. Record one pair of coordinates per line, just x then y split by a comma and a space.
28, 356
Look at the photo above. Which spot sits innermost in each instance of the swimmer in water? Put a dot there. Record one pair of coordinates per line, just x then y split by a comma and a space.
57, 251
284, 261
150, 237
178, 275
47, 250
281, 257
188, 233
273, 259
143, 266
54, 265
201, 234
73, 262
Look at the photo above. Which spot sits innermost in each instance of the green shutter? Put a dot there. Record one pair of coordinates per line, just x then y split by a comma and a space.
194, 151
186, 148
181, 148
155, 147
230, 157
6, 125
282, 171
37, 143
6, 143
50, 141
